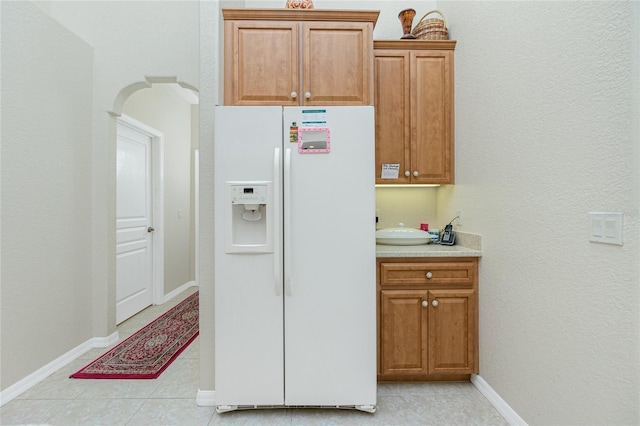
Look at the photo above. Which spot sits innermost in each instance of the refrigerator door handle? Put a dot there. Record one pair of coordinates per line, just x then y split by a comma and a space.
287, 222
277, 264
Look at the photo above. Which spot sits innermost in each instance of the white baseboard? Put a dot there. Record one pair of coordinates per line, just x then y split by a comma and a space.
179, 290
13, 391
206, 398
500, 404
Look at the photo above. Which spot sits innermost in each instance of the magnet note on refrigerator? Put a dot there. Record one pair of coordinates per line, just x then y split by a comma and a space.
314, 118
314, 140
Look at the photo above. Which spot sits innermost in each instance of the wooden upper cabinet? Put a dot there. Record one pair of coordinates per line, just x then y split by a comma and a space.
298, 57
414, 100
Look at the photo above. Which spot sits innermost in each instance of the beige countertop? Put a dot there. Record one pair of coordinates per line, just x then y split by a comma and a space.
469, 246
426, 250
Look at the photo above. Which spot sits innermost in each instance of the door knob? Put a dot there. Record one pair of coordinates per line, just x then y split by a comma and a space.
307, 95
434, 303
415, 173
150, 229
429, 275
425, 303
294, 95
407, 173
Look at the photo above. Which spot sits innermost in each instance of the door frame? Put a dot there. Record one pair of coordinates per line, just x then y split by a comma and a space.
196, 214
157, 190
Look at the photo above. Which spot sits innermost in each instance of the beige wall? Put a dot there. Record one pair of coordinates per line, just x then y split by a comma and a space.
45, 295
410, 206
546, 132
210, 95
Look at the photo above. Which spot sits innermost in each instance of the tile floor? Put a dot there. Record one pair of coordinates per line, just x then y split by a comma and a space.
170, 399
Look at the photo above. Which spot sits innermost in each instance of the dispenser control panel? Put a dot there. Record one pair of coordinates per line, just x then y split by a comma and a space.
250, 217
253, 194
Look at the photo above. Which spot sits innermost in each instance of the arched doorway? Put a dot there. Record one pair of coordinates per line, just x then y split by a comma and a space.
171, 109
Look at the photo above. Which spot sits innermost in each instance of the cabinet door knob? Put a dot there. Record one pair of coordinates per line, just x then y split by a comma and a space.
434, 303
415, 173
407, 173
429, 275
425, 303
294, 95
307, 95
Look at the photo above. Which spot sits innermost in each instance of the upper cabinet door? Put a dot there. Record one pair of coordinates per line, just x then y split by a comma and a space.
432, 117
337, 63
393, 109
262, 63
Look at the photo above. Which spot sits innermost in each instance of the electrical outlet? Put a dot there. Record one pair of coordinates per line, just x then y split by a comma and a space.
459, 220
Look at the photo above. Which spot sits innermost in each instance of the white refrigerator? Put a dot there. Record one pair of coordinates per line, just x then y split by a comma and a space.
295, 315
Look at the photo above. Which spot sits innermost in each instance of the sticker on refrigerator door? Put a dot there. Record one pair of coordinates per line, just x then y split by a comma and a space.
314, 118
314, 140
390, 171
293, 132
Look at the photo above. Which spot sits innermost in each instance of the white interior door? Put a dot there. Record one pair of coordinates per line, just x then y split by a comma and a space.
134, 222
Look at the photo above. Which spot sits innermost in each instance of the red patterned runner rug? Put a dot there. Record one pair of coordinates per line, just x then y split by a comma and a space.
148, 352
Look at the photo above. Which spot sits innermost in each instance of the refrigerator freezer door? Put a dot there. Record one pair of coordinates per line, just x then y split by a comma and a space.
248, 286
330, 342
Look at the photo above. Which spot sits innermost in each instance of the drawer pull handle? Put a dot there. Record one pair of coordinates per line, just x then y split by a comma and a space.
429, 275
434, 303
425, 303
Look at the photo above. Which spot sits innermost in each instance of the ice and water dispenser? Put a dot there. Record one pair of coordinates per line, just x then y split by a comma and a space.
250, 207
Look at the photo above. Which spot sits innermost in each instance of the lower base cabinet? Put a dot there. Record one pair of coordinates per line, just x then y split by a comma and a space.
427, 318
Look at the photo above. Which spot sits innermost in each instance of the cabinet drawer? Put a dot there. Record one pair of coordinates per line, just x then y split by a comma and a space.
424, 273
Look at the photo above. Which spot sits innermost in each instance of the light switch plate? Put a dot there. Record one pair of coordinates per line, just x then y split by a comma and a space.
606, 227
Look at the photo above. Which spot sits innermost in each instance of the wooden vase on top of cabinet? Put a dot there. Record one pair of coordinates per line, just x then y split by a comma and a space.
294, 57
414, 101
427, 318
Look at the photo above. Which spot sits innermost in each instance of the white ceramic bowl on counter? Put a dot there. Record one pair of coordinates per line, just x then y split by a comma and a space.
402, 236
